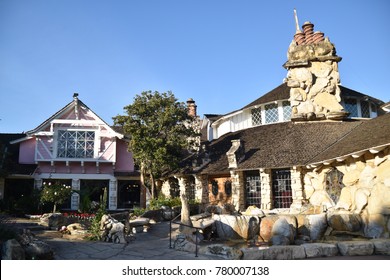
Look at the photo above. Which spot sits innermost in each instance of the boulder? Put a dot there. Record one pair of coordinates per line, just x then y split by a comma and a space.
381, 246
317, 250
76, 231
317, 225
254, 211
291, 252
38, 250
356, 248
12, 250
266, 225
280, 240
112, 230
53, 220
345, 222
283, 228
236, 227
222, 251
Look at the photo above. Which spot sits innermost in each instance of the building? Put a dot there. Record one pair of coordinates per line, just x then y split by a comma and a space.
308, 146
75, 147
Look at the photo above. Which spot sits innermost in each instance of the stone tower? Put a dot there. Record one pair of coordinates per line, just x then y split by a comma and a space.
313, 76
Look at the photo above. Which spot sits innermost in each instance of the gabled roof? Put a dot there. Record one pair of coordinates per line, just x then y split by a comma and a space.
67, 108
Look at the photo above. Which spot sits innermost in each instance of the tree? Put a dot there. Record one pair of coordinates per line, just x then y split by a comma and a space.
55, 193
159, 130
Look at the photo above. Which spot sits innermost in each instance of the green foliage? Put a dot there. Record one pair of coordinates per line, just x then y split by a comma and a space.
163, 201
55, 193
95, 224
159, 130
138, 212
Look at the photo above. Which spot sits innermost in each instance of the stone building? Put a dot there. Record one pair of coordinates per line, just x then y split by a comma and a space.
308, 146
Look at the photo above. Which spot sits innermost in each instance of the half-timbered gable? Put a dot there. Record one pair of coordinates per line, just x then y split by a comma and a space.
75, 145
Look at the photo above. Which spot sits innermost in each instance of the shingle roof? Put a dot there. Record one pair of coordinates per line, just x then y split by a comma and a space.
278, 145
369, 134
282, 92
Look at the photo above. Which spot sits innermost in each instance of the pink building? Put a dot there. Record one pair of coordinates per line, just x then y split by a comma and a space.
75, 146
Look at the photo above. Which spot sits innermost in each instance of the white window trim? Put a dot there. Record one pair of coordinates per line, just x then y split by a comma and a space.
96, 144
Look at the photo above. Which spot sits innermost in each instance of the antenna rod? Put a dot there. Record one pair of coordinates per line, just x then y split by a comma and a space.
297, 30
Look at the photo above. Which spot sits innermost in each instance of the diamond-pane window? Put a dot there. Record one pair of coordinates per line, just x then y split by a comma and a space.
271, 113
75, 144
351, 107
286, 110
281, 188
365, 108
256, 116
373, 108
253, 189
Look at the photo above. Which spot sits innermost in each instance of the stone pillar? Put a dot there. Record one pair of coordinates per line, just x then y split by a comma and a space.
238, 189
266, 189
297, 188
113, 194
75, 198
38, 184
202, 190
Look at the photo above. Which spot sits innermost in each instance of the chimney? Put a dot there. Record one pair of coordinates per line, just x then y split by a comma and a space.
191, 107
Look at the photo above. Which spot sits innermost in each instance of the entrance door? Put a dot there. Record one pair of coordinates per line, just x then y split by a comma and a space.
129, 194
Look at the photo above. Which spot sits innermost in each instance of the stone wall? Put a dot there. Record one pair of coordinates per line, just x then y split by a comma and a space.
365, 190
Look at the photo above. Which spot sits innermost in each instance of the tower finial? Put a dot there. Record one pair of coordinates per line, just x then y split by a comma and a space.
297, 29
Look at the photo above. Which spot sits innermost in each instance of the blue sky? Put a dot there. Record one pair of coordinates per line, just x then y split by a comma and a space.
222, 53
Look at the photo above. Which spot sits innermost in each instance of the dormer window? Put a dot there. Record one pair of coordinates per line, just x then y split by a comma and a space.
365, 107
351, 107
286, 110
271, 113
256, 116
75, 144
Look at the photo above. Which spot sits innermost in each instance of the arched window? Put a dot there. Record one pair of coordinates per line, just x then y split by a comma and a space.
334, 184
214, 187
228, 187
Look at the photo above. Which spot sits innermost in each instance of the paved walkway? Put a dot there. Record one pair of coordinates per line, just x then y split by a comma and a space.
152, 245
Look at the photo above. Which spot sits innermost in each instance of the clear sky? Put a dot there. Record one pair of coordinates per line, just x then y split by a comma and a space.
222, 53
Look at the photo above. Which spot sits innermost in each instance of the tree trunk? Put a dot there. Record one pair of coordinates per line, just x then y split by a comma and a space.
54, 208
143, 187
152, 185
185, 216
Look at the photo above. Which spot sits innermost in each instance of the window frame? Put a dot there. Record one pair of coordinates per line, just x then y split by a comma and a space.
76, 157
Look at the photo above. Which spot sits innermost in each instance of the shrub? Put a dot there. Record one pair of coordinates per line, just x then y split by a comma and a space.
95, 223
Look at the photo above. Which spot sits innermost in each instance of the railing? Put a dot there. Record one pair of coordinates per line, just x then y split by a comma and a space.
172, 221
